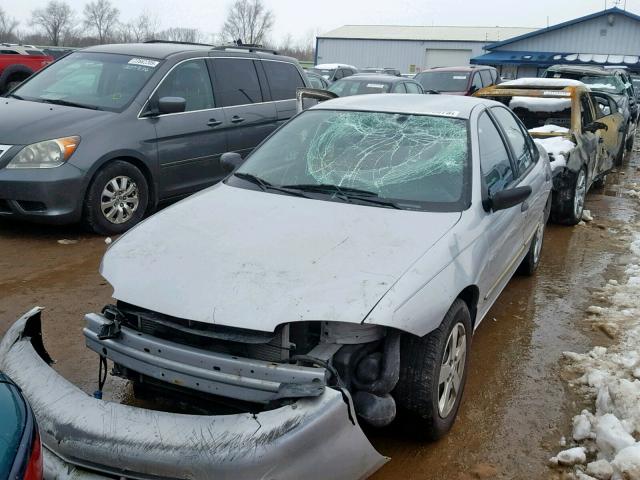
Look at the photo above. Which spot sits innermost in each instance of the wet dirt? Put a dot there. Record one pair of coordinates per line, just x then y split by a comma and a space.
516, 406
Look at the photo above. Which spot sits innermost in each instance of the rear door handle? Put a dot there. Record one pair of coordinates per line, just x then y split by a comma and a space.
214, 123
237, 119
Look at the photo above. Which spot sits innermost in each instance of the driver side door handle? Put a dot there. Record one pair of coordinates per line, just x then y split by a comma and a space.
237, 119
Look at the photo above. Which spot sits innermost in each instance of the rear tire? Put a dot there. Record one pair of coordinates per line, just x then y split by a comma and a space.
429, 389
117, 199
569, 208
530, 263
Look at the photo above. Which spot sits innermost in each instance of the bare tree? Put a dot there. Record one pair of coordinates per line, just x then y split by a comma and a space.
180, 34
248, 21
101, 17
56, 19
8, 27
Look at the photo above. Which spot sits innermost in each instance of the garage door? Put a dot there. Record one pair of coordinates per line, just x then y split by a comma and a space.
437, 57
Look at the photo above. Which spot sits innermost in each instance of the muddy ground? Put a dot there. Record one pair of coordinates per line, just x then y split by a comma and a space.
516, 405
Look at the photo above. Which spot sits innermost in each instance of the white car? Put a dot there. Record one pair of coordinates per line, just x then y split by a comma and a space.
338, 273
334, 71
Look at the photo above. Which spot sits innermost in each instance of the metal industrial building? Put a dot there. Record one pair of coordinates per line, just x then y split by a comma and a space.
409, 49
608, 37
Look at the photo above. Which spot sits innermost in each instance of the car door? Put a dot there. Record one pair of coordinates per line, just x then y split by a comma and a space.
502, 229
283, 80
590, 142
247, 106
606, 111
476, 83
413, 87
189, 143
529, 171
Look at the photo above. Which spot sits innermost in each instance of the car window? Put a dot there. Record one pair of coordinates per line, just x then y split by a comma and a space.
354, 86
494, 75
399, 88
476, 82
486, 77
339, 74
236, 82
347, 72
284, 79
413, 88
189, 80
494, 157
585, 110
9, 52
315, 81
604, 105
517, 138
449, 81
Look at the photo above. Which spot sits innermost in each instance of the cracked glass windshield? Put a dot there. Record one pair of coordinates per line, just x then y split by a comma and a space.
410, 161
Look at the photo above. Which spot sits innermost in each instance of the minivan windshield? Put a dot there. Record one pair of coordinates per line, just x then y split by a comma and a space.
407, 161
101, 81
443, 81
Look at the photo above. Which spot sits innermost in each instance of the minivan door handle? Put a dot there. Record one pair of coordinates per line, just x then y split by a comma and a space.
237, 119
214, 123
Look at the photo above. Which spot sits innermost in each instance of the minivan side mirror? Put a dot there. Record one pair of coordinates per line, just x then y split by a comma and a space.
171, 105
593, 127
509, 198
231, 161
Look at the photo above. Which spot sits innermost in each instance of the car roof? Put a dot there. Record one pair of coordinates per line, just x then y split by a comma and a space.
418, 104
375, 77
330, 66
162, 50
462, 68
589, 69
541, 83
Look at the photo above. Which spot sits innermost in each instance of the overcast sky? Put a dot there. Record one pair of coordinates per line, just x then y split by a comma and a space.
302, 17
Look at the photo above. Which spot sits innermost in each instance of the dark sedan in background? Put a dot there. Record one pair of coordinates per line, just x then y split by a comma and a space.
20, 448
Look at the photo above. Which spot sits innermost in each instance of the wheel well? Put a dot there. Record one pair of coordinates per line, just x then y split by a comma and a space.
18, 76
470, 296
140, 165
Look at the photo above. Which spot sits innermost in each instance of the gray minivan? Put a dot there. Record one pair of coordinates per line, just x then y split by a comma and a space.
107, 133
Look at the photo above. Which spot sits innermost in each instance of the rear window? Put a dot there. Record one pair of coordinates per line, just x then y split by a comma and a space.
345, 88
284, 79
8, 52
443, 81
236, 82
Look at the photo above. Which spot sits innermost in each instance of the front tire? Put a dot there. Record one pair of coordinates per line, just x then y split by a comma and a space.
570, 207
433, 372
117, 199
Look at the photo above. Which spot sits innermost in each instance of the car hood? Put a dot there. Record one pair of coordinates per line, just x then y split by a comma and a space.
25, 122
250, 259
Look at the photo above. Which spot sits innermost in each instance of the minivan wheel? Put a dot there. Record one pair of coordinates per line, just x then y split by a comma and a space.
117, 199
433, 372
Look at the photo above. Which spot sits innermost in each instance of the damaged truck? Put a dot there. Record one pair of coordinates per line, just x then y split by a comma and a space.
334, 277
583, 132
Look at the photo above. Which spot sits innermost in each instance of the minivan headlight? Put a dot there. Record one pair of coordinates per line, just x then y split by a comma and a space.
47, 154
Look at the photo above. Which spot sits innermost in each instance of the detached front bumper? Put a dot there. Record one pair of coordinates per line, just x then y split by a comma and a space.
86, 438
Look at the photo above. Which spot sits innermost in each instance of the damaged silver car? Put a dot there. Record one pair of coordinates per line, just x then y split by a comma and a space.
335, 276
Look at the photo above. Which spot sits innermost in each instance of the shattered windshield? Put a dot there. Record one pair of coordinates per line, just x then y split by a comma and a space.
415, 161
444, 81
609, 83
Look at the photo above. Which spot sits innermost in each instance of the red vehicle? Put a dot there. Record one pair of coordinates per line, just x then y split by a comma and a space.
19, 62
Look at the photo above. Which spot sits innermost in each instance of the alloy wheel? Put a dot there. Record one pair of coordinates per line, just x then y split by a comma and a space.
452, 370
120, 199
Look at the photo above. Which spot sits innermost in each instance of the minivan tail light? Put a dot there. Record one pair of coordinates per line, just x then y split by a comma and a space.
34, 469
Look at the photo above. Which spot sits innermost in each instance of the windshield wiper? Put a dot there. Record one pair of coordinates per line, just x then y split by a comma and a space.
328, 188
67, 103
13, 95
347, 194
264, 185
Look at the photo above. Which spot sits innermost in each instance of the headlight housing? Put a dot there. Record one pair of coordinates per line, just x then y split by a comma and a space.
46, 154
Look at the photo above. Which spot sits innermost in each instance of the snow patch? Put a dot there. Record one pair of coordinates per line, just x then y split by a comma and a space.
540, 104
558, 149
570, 457
610, 376
542, 82
549, 129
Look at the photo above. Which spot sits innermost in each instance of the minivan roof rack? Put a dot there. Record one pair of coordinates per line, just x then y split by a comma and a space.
246, 48
175, 42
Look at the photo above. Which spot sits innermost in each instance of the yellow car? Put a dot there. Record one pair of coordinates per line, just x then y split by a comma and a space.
581, 131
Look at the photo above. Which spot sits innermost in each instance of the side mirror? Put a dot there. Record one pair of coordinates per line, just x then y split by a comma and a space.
593, 127
231, 161
509, 198
172, 105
